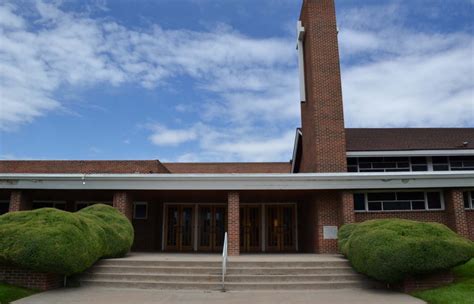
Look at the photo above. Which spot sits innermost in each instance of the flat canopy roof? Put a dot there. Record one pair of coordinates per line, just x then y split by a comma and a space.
306, 181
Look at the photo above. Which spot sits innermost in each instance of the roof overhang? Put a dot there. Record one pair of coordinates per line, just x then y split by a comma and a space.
454, 152
306, 181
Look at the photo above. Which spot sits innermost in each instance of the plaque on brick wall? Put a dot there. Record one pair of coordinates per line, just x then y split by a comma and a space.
330, 232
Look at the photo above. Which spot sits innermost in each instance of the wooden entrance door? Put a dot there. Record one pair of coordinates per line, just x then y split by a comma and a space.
250, 229
280, 228
212, 222
179, 224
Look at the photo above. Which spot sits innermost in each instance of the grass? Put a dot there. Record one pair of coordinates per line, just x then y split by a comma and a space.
9, 293
460, 292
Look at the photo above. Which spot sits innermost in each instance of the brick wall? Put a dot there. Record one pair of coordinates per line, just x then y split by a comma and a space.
347, 208
327, 214
470, 223
19, 201
322, 118
30, 279
123, 202
411, 284
233, 223
456, 213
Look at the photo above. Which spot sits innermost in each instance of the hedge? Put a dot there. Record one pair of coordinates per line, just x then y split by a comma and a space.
391, 249
56, 241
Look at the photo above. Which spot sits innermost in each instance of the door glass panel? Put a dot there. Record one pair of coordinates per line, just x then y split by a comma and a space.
254, 227
243, 221
272, 226
187, 227
219, 226
287, 226
205, 217
172, 231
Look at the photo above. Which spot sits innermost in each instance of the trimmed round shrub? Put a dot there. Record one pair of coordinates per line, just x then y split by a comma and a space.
391, 249
56, 241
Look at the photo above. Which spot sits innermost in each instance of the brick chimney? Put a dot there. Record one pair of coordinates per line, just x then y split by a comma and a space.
322, 118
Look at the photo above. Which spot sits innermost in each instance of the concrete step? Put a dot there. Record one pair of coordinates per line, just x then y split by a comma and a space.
155, 270
196, 278
161, 263
204, 273
290, 270
235, 264
295, 285
281, 264
291, 278
151, 285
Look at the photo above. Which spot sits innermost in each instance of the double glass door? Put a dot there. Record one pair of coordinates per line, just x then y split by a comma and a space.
211, 227
280, 228
179, 227
189, 224
250, 231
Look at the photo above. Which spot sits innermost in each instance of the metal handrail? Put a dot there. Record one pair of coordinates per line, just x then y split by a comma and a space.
224, 261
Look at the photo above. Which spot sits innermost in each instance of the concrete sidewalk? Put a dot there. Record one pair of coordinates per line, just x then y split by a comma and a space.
134, 296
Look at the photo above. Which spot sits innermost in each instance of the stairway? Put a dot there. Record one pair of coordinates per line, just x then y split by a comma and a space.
203, 272
292, 275
155, 274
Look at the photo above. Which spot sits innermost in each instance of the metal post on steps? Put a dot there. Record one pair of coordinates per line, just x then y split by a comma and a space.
224, 261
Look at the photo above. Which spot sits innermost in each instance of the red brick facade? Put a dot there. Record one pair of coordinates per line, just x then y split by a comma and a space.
30, 279
322, 117
347, 208
412, 284
470, 222
123, 202
233, 223
19, 201
456, 212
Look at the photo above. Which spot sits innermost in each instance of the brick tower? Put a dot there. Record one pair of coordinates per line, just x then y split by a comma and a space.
322, 118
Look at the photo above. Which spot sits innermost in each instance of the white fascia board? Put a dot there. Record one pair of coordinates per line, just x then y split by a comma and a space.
457, 152
301, 65
295, 148
306, 181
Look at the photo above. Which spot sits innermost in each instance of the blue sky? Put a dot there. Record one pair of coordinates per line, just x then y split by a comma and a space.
214, 80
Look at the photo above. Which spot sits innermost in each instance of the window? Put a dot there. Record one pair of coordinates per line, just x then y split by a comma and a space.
49, 204
140, 210
459, 163
82, 205
398, 201
359, 201
468, 199
4, 207
453, 163
386, 164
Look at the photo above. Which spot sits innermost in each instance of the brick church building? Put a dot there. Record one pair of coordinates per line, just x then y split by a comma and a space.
337, 175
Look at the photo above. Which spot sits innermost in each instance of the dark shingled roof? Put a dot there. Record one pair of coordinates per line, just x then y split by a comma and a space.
409, 139
82, 166
229, 167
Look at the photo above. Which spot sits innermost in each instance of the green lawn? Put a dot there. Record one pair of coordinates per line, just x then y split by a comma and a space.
460, 292
9, 293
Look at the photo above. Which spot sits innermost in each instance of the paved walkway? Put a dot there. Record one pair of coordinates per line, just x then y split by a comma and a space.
134, 296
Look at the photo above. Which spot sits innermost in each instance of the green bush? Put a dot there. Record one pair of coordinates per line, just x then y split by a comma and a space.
51, 240
389, 250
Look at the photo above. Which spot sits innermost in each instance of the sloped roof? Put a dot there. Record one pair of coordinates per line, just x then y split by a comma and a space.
275, 167
393, 139
82, 166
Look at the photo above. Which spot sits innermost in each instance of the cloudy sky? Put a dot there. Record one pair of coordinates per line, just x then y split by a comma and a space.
215, 80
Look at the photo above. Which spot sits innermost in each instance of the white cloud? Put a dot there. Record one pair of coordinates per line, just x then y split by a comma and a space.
163, 136
394, 76
230, 144
74, 50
